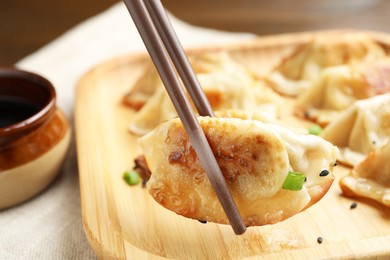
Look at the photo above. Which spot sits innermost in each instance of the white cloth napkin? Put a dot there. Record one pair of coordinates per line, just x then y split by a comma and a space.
49, 226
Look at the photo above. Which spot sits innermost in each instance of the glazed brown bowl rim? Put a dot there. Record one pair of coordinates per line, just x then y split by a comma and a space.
44, 112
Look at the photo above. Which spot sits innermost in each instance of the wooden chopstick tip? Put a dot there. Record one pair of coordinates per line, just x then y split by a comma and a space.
239, 230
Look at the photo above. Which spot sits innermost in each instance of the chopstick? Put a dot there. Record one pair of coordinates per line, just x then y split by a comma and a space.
178, 56
159, 38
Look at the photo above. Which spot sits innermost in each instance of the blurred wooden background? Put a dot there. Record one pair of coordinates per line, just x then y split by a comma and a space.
281, 16
27, 25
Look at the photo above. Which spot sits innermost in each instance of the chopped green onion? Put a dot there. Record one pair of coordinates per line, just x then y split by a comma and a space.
315, 130
131, 177
294, 181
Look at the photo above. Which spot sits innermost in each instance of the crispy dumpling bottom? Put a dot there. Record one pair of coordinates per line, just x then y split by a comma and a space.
255, 159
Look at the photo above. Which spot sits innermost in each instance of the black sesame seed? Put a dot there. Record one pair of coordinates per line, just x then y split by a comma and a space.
324, 173
373, 142
202, 221
353, 205
320, 240
335, 164
305, 179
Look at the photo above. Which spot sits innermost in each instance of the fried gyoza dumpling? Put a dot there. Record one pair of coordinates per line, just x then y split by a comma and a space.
360, 129
338, 87
204, 63
296, 72
370, 178
143, 89
255, 159
223, 90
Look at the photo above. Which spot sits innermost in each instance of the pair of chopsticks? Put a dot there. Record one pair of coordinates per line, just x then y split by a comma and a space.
164, 48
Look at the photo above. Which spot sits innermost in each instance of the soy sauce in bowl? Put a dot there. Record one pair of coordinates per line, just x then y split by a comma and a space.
14, 110
27, 101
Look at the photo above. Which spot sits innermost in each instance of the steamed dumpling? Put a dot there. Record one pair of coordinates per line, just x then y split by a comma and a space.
370, 178
296, 72
338, 87
360, 129
255, 159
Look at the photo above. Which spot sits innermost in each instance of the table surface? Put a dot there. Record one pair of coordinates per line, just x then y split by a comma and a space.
24, 27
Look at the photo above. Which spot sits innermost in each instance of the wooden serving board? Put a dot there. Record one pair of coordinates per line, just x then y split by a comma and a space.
124, 222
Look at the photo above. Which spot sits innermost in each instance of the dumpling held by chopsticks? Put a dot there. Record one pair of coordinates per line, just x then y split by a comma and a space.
273, 173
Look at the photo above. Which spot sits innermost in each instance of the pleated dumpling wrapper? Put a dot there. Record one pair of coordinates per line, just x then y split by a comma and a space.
296, 72
361, 129
370, 178
202, 63
338, 87
224, 90
256, 160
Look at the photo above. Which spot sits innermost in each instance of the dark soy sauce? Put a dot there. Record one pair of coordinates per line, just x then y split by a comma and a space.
14, 110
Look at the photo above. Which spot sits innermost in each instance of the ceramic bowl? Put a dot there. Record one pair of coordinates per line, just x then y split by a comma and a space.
34, 135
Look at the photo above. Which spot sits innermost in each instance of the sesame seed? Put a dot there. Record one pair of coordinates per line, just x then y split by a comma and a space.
202, 221
320, 240
335, 164
353, 205
324, 173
